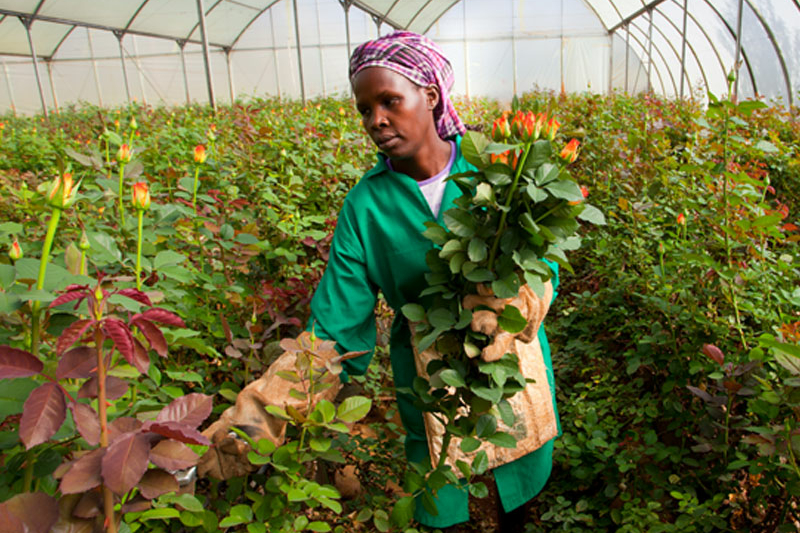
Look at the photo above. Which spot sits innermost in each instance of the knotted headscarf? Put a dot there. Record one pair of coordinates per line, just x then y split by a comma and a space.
420, 60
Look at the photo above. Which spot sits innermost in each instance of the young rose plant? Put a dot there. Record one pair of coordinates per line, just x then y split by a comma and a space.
119, 452
519, 208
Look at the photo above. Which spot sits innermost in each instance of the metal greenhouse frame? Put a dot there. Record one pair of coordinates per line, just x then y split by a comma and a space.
664, 44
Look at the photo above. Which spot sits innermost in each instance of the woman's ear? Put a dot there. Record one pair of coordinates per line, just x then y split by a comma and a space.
431, 96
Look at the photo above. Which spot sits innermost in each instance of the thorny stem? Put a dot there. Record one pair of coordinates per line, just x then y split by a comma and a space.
36, 306
121, 207
194, 187
726, 218
140, 216
108, 497
511, 191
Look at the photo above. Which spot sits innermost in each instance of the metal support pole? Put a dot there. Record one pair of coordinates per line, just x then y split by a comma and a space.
27, 23
627, 54
120, 35
650, 54
49, 63
738, 51
201, 15
683, 46
182, 45
378, 22
139, 69
230, 74
610, 62
299, 53
94, 68
275, 55
9, 88
513, 54
466, 50
346, 6
561, 48
321, 62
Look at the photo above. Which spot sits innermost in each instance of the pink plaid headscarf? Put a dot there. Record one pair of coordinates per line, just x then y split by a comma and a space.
420, 60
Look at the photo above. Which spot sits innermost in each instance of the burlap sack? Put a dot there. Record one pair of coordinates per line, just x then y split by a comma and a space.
535, 422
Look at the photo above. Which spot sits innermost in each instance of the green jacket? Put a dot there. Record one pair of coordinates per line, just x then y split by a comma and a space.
378, 246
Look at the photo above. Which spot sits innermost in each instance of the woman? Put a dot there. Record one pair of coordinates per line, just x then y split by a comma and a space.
401, 83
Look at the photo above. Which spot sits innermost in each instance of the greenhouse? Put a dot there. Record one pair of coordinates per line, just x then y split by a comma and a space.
177, 52
408, 266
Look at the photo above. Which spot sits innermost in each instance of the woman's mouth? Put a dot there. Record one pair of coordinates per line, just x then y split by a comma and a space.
387, 142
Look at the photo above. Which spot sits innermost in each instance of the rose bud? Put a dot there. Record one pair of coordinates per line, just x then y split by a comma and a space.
140, 196
15, 250
200, 154
570, 152
124, 154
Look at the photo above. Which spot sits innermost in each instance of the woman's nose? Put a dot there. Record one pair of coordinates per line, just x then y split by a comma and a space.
377, 119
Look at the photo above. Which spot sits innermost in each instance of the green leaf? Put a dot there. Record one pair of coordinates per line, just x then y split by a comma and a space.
256, 527
168, 258
426, 341
486, 425
296, 495
435, 233
507, 287
545, 174
457, 261
504, 440
511, 320
535, 193
565, 190
161, 513
506, 413
277, 411
492, 395
414, 312
460, 222
478, 490
592, 215
452, 377
326, 409
498, 174
473, 145
484, 194
441, 318
318, 525
320, 444
354, 408
451, 247
333, 505
403, 511
480, 463
470, 444
766, 146
539, 154
477, 249
479, 275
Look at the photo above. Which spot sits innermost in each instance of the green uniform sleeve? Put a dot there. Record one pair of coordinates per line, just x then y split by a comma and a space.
343, 305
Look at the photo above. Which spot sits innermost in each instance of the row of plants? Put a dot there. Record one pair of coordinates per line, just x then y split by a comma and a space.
675, 338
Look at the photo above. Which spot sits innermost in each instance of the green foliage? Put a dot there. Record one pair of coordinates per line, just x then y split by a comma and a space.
658, 435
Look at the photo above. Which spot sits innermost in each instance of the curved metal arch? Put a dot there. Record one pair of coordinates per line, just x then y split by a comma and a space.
771, 36
713, 49
252, 21
666, 65
420, 10
733, 35
452, 4
136, 14
657, 70
694, 53
64, 38
674, 51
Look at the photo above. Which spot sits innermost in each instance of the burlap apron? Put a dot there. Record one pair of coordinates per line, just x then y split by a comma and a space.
535, 422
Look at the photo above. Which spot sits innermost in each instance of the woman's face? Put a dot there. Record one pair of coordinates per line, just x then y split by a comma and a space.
396, 113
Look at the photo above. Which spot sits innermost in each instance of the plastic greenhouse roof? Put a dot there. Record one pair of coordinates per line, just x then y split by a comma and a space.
226, 20
664, 45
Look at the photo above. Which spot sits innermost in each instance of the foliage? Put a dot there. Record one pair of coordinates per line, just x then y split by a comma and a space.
674, 343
